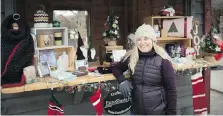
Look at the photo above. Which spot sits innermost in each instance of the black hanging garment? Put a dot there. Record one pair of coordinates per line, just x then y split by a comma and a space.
17, 52
79, 53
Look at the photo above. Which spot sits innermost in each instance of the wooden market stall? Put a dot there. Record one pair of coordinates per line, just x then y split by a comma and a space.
131, 14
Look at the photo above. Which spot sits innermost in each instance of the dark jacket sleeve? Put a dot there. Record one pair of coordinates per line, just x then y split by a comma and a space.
169, 86
118, 70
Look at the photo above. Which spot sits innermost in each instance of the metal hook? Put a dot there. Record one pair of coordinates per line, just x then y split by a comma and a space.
14, 16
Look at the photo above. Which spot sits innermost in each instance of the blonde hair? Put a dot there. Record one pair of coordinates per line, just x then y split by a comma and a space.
133, 55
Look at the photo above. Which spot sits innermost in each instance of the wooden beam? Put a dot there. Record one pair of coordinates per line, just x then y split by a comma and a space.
134, 15
207, 75
125, 21
207, 15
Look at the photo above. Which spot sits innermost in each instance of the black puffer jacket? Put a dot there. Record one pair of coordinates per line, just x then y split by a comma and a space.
154, 90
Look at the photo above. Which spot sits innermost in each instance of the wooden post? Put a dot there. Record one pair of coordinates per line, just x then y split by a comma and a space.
208, 15
125, 21
134, 15
207, 80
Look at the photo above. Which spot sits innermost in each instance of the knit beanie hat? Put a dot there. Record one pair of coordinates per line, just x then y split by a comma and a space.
145, 30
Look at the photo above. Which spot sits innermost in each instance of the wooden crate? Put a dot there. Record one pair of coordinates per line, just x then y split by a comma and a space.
71, 52
107, 49
163, 40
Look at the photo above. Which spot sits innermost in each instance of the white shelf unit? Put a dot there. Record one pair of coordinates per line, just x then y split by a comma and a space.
45, 31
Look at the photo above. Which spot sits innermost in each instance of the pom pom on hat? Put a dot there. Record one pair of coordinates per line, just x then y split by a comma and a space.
145, 30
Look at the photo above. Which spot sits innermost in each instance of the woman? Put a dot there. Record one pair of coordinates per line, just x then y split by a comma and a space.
152, 86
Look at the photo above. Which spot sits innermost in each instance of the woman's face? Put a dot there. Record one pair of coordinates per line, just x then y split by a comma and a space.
144, 44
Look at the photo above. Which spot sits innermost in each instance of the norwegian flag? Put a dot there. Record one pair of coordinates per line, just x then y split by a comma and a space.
199, 97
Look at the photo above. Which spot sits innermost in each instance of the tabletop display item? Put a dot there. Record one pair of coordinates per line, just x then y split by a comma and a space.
167, 11
63, 62
41, 19
179, 27
111, 33
211, 43
45, 40
56, 24
49, 57
58, 38
30, 74
43, 69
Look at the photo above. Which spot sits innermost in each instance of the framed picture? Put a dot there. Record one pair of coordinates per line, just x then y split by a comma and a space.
81, 63
43, 69
49, 57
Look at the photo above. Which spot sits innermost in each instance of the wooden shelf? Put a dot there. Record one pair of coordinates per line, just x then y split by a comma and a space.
171, 38
54, 47
166, 17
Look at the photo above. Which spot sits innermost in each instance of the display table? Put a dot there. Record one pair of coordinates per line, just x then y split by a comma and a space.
183, 82
49, 82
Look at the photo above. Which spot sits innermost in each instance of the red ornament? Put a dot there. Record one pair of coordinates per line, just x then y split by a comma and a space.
220, 55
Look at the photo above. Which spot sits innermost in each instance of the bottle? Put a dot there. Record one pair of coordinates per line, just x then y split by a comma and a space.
65, 61
60, 66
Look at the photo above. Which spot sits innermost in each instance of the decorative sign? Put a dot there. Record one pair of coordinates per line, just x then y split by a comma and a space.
196, 38
115, 103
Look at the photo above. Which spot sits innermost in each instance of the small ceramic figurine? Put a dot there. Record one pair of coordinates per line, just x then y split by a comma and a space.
84, 51
93, 53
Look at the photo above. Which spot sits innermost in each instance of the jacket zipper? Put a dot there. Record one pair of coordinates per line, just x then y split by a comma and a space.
142, 87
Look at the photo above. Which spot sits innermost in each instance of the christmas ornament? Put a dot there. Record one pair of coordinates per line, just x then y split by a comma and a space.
167, 11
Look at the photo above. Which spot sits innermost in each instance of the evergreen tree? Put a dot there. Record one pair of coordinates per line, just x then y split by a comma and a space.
209, 43
111, 27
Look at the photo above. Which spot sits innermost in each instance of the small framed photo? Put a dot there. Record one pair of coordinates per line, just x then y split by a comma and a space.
43, 69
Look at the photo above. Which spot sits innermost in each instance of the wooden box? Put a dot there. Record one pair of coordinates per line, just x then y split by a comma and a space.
58, 50
164, 39
107, 49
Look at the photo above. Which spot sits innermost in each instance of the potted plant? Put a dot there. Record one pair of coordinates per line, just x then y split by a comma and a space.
111, 33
